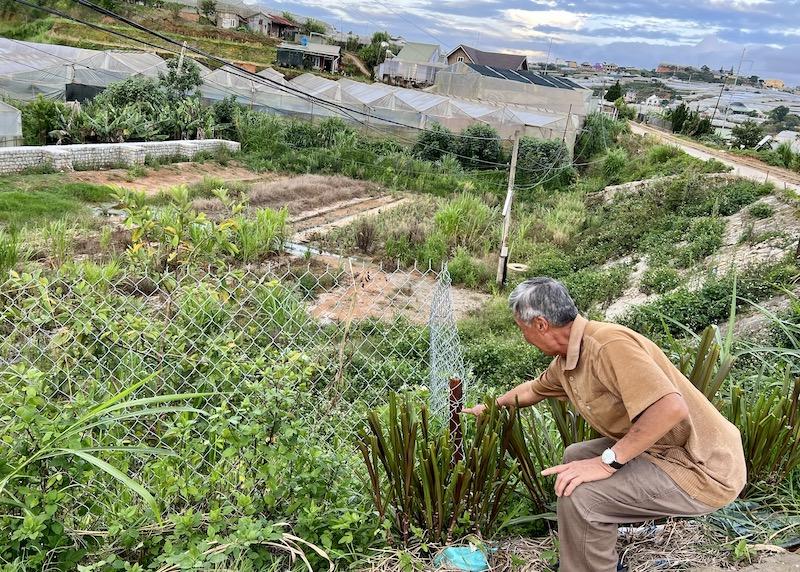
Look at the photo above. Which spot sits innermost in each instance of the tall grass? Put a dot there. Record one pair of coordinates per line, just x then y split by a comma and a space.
10, 252
58, 237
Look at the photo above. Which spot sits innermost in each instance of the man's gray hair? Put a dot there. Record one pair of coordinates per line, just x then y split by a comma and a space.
545, 297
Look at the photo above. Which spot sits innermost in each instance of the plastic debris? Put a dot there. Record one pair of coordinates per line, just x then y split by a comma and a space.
468, 558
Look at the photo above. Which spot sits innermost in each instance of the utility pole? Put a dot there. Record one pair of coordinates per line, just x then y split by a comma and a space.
733, 92
180, 58
502, 264
547, 61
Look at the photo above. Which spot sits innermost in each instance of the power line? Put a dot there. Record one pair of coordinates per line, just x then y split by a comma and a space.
250, 76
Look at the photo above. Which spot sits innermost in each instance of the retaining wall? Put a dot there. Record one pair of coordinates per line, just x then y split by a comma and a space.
104, 155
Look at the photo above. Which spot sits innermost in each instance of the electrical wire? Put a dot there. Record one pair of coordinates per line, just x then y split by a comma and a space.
250, 76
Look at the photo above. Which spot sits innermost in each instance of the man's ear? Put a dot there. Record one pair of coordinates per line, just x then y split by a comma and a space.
541, 324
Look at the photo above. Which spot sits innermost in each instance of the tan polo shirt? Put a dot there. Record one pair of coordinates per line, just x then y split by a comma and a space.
612, 374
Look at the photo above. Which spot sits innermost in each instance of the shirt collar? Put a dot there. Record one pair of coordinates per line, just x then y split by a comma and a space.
574, 345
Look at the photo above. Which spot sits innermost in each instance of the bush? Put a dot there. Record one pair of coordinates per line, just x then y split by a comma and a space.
479, 147
599, 134
135, 90
761, 210
614, 163
540, 159
662, 153
467, 271
660, 280
434, 143
747, 134
40, 118
704, 238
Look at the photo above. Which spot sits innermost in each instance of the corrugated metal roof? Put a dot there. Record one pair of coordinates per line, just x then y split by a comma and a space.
311, 48
418, 53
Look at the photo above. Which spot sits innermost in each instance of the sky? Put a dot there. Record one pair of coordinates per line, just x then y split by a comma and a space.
626, 32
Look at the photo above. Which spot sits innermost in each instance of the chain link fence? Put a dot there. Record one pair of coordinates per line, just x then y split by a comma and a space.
303, 350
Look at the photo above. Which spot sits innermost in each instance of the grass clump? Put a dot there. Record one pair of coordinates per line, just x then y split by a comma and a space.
761, 210
660, 280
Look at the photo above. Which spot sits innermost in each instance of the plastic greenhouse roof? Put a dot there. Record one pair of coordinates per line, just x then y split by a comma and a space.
314, 84
127, 62
363, 92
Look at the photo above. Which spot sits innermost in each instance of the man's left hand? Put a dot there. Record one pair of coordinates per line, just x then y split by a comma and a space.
570, 475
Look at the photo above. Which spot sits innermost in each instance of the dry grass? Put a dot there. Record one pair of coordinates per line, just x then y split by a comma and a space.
298, 194
677, 545
308, 192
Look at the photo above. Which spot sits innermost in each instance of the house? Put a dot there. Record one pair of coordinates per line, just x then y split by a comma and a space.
774, 83
653, 101
228, 18
470, 55
309, 56
571, 64
415, 65
630, 96
270, 25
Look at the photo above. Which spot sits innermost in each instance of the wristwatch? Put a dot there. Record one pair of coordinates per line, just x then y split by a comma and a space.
609, 457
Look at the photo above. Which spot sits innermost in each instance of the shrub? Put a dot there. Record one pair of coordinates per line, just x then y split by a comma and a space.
599, 133
40, 118
365, 232
761, 210
434, 143
467, 271
540, 159
614, 163
662, 153
704, 238
464, 221
479, 146
135, 90
588, 287
660, 280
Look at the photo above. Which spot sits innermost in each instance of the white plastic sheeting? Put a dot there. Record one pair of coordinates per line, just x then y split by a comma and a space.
28, 69
10, 125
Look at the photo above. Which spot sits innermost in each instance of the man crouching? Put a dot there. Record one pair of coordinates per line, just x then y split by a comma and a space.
665, 450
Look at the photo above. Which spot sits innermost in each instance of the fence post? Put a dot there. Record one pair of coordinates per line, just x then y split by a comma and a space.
456, 403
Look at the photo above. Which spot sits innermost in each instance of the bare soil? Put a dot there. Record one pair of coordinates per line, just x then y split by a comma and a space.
166, 176
372, 292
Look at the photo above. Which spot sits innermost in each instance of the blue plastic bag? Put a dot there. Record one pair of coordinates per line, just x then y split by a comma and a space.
468, 558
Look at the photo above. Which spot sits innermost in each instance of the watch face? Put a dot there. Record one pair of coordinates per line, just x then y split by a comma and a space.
608, 456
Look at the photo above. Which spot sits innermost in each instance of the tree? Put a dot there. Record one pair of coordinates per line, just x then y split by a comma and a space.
379, 37
208, 8
311, 26
289, 16
614, 92
779, 113
747, 134
624, 111
177, 84
434, 143
678, 117
479, 146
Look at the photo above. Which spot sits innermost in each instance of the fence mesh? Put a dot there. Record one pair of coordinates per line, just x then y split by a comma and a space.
310, 348
446, 358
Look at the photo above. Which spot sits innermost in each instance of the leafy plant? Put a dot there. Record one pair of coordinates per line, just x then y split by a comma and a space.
418, 481
761, 210
660, 280
10, 252
767, 418
479, 146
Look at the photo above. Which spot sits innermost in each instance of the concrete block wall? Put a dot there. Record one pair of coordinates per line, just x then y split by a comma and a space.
103, 155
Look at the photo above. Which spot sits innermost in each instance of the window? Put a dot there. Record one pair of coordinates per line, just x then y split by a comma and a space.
460, 59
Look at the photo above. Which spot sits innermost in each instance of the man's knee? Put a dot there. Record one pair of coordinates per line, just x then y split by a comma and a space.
575, 506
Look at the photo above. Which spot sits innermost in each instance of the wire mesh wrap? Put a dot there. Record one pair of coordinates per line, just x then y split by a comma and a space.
446, 357
309, 347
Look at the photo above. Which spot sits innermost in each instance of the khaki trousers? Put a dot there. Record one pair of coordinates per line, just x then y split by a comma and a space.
588, 518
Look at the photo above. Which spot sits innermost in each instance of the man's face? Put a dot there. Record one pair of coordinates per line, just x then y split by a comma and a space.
539, 334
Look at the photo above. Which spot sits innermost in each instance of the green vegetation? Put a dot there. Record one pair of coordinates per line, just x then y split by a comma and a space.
747, 134
26, 199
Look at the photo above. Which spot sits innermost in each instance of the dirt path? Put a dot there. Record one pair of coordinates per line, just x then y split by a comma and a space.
742, 166
356, 61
